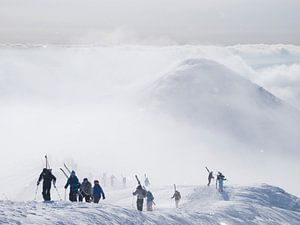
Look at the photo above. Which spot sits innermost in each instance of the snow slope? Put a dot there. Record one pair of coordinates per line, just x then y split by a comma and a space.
209, 95
262, 204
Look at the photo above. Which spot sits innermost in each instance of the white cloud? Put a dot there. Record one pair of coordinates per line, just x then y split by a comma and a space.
213, 21
283, 81
80, 102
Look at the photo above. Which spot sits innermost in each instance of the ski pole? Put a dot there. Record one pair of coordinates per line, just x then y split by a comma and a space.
57, 193
36, 191
65, 194
132, 201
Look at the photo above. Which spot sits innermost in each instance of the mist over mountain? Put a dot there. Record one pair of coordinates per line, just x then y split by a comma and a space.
150, 112
211, 96
184, 107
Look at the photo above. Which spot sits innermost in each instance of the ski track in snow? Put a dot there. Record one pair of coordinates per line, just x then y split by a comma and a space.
263, 204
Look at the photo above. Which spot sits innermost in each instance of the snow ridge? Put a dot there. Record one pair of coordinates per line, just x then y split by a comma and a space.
261, 204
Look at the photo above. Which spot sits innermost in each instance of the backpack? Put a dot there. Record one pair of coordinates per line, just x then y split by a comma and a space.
150, 196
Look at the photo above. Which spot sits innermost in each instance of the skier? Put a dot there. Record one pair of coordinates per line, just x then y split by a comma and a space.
47, 178
85, 190
124, 181
147, 182
112, 180
177, 197
74, 186
150, 201
104, 179
220, 180
210, 176
97, 192
141, 193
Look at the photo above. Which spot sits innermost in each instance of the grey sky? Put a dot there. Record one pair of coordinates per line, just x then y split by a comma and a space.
189, 21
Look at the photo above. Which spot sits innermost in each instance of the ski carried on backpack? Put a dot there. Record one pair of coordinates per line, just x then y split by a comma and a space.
175, 187
67, 168
64, 172
137, 179
207, 169
47, 162
66, 175
69, 171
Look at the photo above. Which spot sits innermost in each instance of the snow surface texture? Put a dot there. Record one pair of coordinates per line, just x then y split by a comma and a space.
262, 204
165, 111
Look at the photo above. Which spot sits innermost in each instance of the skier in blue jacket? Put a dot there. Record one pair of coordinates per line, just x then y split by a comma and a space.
74, 186
97, 192
150, 201
220, 180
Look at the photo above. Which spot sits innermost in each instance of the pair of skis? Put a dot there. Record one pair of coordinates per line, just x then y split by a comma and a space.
66, 175
47, 162
137, 179
64, 172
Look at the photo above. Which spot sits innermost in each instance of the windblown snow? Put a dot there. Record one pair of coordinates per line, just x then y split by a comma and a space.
165, 111
262, 204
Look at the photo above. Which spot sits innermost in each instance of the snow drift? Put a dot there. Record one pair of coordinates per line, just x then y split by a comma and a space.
263, 204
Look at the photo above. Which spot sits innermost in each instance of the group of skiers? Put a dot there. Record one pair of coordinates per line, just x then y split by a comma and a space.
113, 180
219, 181
82, 190
142, 193
85, 191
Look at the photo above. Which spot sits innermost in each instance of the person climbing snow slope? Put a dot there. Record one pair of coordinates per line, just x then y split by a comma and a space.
141, 193
74, 186
47, 178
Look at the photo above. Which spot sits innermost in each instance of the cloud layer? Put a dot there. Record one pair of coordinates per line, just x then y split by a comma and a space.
191, 21
83, 104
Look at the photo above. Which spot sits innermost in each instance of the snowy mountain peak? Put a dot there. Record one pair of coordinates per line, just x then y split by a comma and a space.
206, 94
196, 79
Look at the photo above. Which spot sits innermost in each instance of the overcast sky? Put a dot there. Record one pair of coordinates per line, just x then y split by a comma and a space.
182, 21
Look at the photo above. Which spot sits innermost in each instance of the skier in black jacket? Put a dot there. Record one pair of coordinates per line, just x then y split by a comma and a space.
47, 178
210, 176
